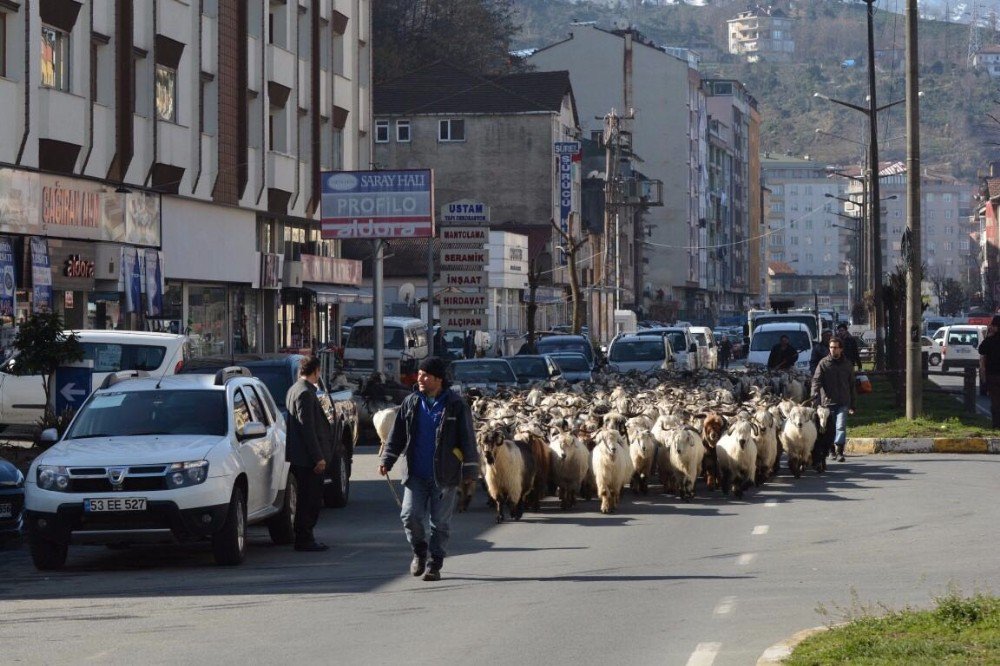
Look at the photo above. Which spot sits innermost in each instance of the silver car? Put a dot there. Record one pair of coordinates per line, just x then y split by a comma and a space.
574, 367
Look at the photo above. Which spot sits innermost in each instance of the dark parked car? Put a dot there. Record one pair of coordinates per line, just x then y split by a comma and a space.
279, 372
11, 501
567, 343
531, 368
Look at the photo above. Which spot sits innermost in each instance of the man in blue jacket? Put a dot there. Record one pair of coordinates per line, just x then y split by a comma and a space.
434, 429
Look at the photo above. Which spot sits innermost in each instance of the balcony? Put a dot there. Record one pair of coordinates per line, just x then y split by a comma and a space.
281, 171
173, 20
173, 145
60, 116
281, 66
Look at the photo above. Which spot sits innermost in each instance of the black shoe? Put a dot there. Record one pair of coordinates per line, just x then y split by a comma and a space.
314, 547
433, 571
841, 458
418, 564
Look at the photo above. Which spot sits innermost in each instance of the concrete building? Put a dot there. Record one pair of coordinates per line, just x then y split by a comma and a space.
489, 140
762, 33
620, 70
988, 59
189, 135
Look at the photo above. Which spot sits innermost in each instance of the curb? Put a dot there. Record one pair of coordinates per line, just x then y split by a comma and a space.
872, 445
779, 652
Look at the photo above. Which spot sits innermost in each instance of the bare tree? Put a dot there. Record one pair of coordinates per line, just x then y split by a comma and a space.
571, 247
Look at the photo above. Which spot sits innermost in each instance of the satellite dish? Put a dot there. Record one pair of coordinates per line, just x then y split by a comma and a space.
406, 292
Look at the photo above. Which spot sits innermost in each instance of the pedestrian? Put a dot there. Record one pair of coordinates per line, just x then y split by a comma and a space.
850, 345
783, 355
434, 429
440, 344
725, 352
308, 447
470, 345
833, 386
989, 367
820, 350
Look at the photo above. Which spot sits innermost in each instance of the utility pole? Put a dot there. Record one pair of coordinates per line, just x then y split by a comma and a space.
914, 378
875, 201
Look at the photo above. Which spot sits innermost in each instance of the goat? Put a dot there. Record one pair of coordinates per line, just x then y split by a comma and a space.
798, 437
712, 429
536, 450
825, 433
738, 457
569, 465
383, 421
767, 444
612, 468
642, 450
686, 452
504, 473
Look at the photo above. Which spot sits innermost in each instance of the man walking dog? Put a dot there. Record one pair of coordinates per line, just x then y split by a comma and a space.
434, 429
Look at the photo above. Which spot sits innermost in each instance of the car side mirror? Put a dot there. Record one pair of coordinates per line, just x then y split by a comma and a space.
49, 436
251, 430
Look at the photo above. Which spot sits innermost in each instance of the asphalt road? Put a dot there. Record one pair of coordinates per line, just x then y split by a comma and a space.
661, 582
954, 380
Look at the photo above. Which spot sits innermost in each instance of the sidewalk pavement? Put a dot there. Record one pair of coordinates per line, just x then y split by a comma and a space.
869, 445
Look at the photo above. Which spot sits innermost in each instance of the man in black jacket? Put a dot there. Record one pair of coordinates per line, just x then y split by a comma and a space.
833, 386
851, 350
989, 367
783, 355
434, 429
308, 446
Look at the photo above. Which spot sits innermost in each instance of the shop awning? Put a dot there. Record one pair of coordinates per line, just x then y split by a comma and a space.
331, 294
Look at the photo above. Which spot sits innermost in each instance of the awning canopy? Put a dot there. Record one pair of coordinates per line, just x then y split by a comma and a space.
332, 294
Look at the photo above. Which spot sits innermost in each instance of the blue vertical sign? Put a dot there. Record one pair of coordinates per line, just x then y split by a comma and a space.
7, 282
41, 276
135, 283
566, 153
72, 386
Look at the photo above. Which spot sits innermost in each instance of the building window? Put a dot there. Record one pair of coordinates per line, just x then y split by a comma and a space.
55, 58
381, 131
451, 130
403, 131
166, 93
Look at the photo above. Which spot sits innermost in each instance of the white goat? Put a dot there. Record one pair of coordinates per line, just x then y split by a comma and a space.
612, 467
686, 450
642, 450
798, 437
767, 444
738, 457
504, 473
569, 462
383, 420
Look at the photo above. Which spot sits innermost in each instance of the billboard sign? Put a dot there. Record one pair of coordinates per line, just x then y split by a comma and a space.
458, 257
462, 236
463, 279
465, 211
470, 301
462, 321
377, 204
41, 275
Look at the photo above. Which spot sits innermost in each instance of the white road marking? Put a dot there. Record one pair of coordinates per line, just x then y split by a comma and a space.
704, 654
771, 503
745, 559
725, 606
760, 529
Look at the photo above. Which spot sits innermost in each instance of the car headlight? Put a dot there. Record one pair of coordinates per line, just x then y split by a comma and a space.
185, 474
51, 477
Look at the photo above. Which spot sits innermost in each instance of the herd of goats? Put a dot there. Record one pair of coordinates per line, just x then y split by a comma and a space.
585, 440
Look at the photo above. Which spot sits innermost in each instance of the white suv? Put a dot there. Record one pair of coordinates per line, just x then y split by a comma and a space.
162, 460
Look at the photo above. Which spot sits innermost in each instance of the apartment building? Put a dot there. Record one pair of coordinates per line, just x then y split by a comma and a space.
761, 33
186, 139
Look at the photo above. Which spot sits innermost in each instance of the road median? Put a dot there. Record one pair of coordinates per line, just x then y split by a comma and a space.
872, 445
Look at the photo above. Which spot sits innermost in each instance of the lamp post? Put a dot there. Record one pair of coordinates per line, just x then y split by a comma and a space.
914, 378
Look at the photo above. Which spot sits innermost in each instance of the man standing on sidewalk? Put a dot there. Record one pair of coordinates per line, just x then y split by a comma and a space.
989, 367
434, 429
833, 386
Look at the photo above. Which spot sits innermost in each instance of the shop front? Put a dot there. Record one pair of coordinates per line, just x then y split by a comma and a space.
315, 290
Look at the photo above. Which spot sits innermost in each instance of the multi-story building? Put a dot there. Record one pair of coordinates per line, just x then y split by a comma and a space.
190, 136
988, 59
762, 33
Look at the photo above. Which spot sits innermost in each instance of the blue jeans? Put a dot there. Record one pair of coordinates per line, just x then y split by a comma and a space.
839, 412
418, 496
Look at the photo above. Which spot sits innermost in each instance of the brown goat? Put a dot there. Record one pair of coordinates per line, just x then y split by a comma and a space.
538, 449
712, 429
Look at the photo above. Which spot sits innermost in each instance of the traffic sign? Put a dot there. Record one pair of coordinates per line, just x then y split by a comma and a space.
462, 321
468, 301
72, 386
463, 279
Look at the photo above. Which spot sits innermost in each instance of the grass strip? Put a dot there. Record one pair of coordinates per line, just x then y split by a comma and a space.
944, 416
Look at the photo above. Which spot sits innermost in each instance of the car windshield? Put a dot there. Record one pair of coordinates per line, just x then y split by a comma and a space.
557, 343
572, 363
529, 368
159, 412
701, 339
637, 350
485, 372
765, 340
363, 337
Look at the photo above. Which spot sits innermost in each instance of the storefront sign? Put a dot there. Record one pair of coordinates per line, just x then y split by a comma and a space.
566, 152
76, 267
457, 258
462, 321
462, 301
63, 207
74, 264
378, 204
463, 279
330, 270
8, 285
270, 270
465, 211
131, 280
463, 235
41, 276
68, 300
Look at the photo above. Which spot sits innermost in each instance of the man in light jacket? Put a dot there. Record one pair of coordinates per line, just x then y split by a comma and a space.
833, 386
308, 447
434, 429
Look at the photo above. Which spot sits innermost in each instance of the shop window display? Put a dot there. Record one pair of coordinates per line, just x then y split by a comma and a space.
207, 319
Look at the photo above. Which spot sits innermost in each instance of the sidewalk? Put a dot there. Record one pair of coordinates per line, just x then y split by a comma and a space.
871, 445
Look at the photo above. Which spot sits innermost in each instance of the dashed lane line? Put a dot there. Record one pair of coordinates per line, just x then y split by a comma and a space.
725, 606
745, 559
704, 654
760, 530
771, 503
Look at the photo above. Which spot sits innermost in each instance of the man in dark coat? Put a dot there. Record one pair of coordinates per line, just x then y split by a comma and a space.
819, 351
308, 447
434, 429
850, 345
833, 386
783, 355
725, 352
989, 367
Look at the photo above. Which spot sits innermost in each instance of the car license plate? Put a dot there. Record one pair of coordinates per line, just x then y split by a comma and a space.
114, 504
6, 510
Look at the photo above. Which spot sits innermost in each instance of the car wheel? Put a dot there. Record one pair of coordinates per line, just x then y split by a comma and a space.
229, 545
282, 526
48, 555
935, 359
337, 489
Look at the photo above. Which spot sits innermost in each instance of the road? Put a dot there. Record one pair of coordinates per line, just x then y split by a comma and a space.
661, 582
954, 380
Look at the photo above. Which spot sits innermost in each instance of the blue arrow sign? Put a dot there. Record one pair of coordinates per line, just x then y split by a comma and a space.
73, 385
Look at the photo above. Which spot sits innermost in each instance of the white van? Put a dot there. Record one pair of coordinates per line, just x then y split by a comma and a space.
765, 336
22, 400
642, 353
681, 341
960, 345
405, 345
708, 353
